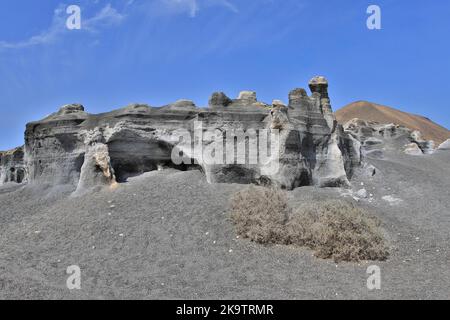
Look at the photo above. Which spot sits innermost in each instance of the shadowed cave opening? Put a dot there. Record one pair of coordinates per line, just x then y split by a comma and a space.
133, 158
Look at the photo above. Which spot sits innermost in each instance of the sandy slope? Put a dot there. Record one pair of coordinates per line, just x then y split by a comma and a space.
169, 236
374, 112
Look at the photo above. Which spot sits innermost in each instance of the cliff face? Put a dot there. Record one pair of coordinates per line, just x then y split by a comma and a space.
12, 166
85, 150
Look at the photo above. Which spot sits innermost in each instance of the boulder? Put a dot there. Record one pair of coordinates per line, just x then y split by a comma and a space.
445, 145
413, 149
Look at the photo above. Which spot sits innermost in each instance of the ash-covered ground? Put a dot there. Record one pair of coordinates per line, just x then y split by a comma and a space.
168, 235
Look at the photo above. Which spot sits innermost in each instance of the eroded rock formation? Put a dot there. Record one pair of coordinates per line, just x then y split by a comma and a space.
12, 166
444, 145
87, 150
375, 138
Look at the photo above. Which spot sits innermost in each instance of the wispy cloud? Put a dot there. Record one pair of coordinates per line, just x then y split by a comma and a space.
106, 17
190, 7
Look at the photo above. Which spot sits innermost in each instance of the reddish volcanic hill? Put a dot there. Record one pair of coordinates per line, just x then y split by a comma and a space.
374, 112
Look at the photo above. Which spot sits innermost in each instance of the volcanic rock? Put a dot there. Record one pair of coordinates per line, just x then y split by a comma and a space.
84, 150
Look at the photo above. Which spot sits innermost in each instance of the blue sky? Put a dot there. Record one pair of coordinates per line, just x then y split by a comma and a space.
159, 51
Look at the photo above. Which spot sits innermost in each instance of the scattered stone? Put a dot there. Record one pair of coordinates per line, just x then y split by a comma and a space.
362, 193
392, 200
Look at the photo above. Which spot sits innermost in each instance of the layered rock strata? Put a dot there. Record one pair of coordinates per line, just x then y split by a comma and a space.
86, 150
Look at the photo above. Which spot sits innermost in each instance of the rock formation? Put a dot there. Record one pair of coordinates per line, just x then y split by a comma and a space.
444, 145
369, 111
12, 166
376, 137
87, 150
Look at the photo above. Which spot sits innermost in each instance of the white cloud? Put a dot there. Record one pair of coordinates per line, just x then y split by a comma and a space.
191, 7
106, 17
109, 16
44, 37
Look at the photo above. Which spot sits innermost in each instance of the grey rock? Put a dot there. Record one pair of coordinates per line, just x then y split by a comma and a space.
445, 145
413, 149
362, 193
249, 96
84, 150
427, 147
375, 138
218, 100
12, 166
97, 169
181, 105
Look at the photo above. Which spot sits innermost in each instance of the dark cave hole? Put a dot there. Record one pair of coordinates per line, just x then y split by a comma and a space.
133, 158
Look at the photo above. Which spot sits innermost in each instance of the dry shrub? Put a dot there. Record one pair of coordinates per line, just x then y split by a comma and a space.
332, 228
260, 214
337, 229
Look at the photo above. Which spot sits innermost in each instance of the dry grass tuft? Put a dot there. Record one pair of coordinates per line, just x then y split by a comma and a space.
260, 214
334, 229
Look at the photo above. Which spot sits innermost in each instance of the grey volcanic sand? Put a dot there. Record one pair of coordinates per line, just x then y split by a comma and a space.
167, 235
